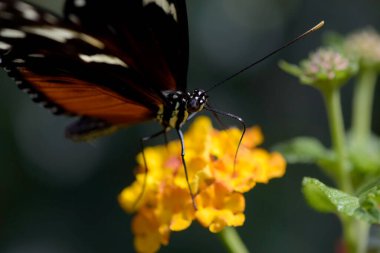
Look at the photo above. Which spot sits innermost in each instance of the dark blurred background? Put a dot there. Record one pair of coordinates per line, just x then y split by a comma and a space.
59, 196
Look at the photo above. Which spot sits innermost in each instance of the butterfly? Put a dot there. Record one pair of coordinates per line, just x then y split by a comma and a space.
110, 64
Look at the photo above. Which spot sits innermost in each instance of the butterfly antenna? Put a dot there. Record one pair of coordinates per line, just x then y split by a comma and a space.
315, 28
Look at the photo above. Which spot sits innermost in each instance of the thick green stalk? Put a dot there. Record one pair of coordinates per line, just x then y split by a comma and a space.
356, 232
334, 113
232, 240
356, 235
362, 106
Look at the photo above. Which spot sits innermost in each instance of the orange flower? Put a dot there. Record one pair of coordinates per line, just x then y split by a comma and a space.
218, 184
219, 207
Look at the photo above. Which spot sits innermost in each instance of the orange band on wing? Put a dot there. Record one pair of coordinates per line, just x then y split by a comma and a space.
87, 99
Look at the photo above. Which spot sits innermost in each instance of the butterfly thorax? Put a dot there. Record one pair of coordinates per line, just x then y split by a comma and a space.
180, 106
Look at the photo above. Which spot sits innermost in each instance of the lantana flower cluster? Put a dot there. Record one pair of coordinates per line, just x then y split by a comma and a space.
365, 46
218, 184
325, 63
325, 68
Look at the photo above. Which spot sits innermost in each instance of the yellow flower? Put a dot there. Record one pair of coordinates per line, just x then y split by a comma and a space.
217, 183
218, 207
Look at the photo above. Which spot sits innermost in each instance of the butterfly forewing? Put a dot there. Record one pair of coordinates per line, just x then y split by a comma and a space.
172, 35
154, 32
115, 74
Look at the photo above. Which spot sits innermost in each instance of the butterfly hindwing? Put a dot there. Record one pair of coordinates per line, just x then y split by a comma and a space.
88, 128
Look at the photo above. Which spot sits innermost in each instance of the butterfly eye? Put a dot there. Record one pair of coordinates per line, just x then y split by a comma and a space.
196, 102
192, 105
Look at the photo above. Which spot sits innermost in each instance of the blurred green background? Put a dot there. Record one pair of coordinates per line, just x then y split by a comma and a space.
59, 196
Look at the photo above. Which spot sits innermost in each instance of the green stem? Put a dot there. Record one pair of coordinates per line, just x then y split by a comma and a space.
355, 235
362, 106
334, 113
356, 232
232, 240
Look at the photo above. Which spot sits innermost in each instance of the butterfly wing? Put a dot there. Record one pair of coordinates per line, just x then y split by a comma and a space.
71, 70
154, 32
80, 72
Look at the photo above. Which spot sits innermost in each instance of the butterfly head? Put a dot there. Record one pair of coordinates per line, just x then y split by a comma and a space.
180, 106
196, 101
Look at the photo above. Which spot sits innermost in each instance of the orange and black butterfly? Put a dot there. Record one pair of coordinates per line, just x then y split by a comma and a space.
112, 63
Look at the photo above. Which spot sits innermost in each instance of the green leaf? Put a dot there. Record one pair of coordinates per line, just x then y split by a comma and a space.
327, 199
290, 68
366, 158
302, 150
329, 164
322, 198
369, 205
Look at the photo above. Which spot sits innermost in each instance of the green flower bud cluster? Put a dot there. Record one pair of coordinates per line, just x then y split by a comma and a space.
324, 68
365, 46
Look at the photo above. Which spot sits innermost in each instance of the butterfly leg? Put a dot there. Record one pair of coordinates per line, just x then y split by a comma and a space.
217, 112
142, 141
180, 135
221, 124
